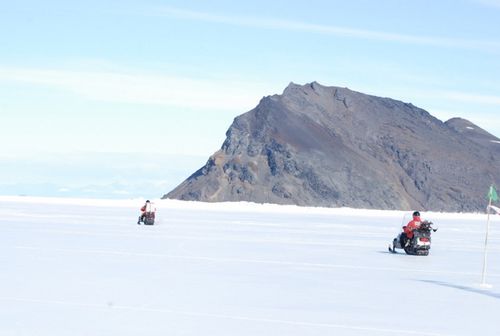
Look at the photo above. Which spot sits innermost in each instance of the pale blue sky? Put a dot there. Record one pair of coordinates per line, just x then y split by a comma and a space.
168, 77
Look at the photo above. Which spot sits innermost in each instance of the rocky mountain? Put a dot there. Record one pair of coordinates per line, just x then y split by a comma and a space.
329, 146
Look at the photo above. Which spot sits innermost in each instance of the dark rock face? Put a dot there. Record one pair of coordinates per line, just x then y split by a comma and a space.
328, 146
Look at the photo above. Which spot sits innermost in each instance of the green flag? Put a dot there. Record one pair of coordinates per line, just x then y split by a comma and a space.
492, 194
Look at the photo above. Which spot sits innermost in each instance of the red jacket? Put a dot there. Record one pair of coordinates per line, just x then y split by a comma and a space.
412, 225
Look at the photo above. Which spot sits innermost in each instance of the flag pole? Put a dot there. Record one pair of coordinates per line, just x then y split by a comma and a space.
485, 260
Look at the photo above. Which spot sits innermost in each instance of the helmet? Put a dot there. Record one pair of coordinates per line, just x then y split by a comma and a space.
416, 214
147, 201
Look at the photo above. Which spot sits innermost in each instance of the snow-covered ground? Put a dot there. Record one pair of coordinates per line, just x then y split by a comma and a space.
84, 267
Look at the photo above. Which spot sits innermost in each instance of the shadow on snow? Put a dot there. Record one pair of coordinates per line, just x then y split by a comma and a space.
464, 288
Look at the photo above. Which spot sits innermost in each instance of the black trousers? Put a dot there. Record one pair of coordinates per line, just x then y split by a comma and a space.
403, 239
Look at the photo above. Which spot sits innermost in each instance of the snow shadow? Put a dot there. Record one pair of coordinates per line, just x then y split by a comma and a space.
394, 253
465, 288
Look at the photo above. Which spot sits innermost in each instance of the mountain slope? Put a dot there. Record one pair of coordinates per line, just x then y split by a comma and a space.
328, 146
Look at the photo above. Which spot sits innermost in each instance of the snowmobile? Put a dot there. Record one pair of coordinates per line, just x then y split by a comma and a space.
148, 218
420, 244
148, 214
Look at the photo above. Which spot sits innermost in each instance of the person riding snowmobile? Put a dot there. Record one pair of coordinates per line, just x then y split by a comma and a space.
412, 225
147, 207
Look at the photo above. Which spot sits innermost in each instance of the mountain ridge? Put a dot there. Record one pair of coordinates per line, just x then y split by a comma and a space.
315, 145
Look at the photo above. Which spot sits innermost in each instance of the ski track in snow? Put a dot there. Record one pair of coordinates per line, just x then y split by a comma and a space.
239, 260
83, 267
219, 316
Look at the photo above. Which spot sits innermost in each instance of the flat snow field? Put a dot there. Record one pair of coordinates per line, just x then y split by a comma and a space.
84, 267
